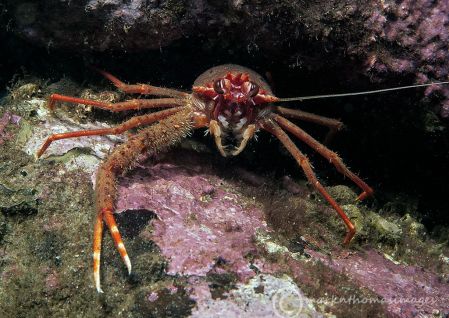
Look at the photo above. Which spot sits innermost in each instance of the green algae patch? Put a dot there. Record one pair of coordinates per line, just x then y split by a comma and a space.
17, 193
46, 263
25, 132
44, 251
385, 229
3, 227
402, 239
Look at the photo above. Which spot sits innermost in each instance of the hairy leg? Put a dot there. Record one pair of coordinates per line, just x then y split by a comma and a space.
155, 138
326, 153
117, 107
303, 162
334, 125
131, 123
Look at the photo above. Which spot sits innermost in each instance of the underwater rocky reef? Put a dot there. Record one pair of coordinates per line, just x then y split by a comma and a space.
406, 38
210, 236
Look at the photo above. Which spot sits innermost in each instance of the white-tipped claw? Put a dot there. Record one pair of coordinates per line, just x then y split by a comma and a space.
97, 282
127, 263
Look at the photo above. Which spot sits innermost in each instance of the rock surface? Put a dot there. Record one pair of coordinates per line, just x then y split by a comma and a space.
384, 38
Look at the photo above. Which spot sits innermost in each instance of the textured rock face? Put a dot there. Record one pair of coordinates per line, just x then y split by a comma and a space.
406, 290
200, 227
384, 38
100, 25
204, 228
421, 30
5, 120
143, 25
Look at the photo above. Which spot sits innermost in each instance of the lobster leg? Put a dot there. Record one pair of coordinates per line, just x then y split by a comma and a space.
334, 125
98, 233
326, 153
302, 160
132, 123
154, 138
117, 107
142, 88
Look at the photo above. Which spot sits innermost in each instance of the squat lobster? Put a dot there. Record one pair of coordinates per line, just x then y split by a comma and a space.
233, 103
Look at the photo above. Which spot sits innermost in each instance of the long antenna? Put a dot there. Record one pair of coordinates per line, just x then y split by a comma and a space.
290, 99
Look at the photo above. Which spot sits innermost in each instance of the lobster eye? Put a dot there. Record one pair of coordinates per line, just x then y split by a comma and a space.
253, 89
220, 86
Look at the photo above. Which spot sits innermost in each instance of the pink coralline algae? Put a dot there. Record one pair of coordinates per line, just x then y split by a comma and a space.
204, 226
421, 30
201, 226
5, 120
407, 291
